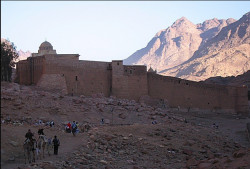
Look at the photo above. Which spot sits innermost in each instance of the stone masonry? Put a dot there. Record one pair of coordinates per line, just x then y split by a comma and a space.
68, 74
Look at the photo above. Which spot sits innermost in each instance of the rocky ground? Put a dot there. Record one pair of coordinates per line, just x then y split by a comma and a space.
128, 139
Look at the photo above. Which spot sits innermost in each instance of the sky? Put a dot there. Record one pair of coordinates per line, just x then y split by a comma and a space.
103, 30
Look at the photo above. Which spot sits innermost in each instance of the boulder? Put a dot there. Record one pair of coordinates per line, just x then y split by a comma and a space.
239, 153
187, 152
122, 116
191, 162
103, 162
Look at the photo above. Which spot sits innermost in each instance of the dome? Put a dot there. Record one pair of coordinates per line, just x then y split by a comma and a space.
46, 46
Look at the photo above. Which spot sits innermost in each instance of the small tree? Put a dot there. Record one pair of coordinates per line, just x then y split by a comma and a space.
8, 57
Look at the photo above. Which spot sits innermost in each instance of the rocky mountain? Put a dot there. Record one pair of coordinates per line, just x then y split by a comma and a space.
169, 47
197, 52
23, 55
239, 80
226, 54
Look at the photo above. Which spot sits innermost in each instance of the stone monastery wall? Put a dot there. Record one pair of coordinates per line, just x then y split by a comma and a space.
188, 94
68, 74
82, 77
129, 81
22, 72
30, 71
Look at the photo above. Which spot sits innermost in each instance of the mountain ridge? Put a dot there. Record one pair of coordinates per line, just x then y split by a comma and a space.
226, 54
183, 42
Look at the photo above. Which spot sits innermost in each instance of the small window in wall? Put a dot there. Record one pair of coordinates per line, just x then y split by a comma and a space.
186, 83
76, 78
179, 81
208, 103
118, 63
130, 71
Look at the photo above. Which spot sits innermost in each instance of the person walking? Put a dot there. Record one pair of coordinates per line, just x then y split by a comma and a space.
56, 143
69, 126
74, 127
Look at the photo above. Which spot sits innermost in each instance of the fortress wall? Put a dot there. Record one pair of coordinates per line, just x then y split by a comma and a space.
136, 81
82, 77
241, 103
37, 69
23, 72
54, 82
129, 82
119, 83
30, 71
187, 94
76, 77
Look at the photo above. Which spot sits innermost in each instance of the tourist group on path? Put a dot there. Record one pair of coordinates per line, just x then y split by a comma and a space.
29, 136
37, 146
72, 128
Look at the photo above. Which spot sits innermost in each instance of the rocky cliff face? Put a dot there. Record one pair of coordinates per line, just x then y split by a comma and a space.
196, 52
226, 54
240, 80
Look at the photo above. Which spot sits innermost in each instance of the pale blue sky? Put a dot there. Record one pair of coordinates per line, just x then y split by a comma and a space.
103, 30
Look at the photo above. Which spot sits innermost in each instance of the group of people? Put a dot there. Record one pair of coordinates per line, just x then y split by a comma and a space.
49, 123
72, 127
29, 136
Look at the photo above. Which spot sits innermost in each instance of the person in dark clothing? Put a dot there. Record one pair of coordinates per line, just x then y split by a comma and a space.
40, 132
29, 135
74, 127
56, 143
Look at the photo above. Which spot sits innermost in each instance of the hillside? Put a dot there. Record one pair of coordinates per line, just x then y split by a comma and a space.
239, 80
128, 139
197, 52
226, 54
